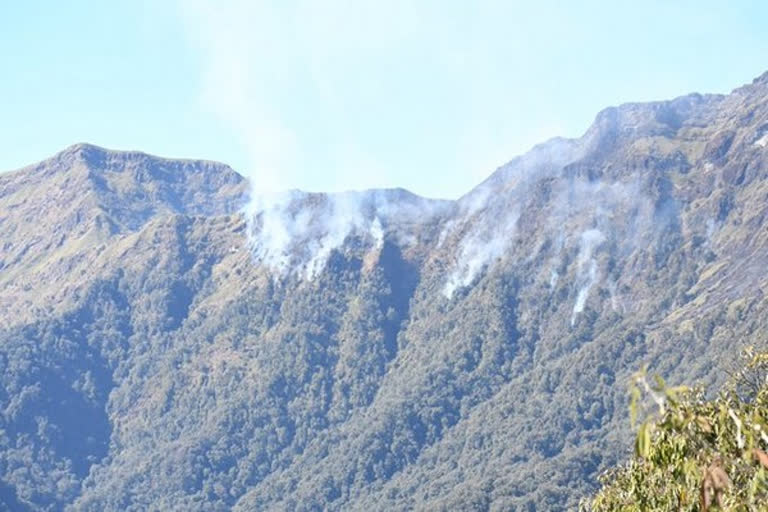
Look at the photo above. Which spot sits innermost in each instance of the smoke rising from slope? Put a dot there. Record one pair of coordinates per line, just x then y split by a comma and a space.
479, 248
296, 232
255, 54
582, 217
586, 268
592, 216
487, 221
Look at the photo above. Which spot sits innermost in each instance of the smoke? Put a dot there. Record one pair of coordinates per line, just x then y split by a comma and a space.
616, 303
377, 234
761, 136
487, 219
295, 233
616, 217
254, 54
480, 247
554, 277
574, 207
293, 82
586, 268
235, 44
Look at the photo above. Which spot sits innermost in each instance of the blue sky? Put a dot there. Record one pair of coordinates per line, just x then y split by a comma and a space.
348, 94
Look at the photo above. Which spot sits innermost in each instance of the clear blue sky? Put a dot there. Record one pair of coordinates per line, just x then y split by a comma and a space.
340, 94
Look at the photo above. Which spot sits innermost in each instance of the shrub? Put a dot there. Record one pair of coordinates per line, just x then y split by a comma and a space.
693, 453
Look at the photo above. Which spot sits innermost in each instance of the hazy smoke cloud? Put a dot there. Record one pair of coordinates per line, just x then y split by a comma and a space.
486, 222
236, 46
250, 65
254, 54
594, 215
377, 233
480, 247
263, 63
554, 277
296, 232
586, 268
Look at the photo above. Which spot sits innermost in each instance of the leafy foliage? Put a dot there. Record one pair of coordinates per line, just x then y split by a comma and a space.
696, 454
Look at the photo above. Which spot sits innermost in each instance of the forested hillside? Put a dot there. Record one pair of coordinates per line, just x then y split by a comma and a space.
167, 344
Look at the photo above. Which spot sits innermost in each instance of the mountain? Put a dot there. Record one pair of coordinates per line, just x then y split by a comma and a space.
167, 344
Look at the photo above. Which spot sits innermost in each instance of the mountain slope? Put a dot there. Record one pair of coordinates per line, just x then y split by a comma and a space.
160, 350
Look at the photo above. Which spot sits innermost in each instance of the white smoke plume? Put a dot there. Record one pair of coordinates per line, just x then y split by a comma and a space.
377, 234
554, 277
252, 56
486, 221
479, 248
616, 303
585, 214
255, 52
295, 233
761, 137
587, 269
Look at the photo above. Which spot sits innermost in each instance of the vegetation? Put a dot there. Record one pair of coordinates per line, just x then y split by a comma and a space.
695, 454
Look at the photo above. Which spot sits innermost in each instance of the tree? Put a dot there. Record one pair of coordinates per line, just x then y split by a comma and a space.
691, 453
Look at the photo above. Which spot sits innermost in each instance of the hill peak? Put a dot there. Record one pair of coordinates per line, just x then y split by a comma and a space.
130, 186
98, 156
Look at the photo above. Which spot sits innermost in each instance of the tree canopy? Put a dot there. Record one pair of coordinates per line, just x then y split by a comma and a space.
694, 453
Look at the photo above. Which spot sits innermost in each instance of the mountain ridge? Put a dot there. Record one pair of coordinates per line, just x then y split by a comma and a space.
465, 354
